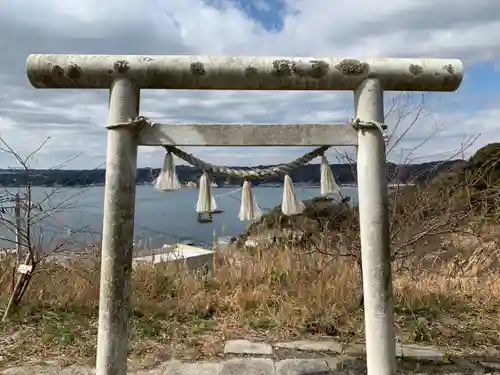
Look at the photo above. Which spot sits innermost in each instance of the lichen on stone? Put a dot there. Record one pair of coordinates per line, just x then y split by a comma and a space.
352, 67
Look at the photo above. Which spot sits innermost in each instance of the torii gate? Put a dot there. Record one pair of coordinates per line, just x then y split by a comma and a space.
125, 75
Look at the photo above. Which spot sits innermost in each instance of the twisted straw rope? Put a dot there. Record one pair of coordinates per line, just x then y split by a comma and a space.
254, 173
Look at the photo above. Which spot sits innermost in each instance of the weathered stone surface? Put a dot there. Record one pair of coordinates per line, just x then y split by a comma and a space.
335, 363
347, 363
309, 358
48, 370
302, 367
420, 352
178, 368
77, 370
465, 364
247, 347
495, 366
247, 366
355, 349
332, 346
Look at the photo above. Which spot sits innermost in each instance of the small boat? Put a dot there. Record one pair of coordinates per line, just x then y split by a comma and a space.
204, 218
218, 211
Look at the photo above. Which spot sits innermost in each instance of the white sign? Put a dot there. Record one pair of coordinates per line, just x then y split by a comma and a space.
24, 268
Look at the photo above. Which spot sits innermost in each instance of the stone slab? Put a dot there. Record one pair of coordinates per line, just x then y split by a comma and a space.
247, 347
494, 366
302, 367
247, 366
355, 349
331, 346
48, 370
179, 368
420, 352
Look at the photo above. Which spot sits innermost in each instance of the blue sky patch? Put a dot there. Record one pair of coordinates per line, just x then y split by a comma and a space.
269, 13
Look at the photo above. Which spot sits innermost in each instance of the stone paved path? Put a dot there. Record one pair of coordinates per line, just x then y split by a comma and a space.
326, 357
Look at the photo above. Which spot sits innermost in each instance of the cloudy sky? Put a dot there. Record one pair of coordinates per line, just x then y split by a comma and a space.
75, 119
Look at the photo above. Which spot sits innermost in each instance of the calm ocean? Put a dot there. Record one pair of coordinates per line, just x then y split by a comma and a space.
160, 217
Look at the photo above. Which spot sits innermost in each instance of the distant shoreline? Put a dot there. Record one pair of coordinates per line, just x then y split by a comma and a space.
308, 175
277, 185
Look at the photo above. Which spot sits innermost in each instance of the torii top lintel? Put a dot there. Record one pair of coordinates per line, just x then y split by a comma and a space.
242, 73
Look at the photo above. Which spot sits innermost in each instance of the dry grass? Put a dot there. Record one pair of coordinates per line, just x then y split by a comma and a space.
272, 294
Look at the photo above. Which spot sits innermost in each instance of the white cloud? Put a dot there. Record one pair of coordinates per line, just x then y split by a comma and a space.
75, 119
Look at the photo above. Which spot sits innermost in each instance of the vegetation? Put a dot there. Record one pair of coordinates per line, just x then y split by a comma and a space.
446, 283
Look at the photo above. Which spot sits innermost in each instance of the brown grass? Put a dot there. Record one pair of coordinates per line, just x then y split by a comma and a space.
273, 294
